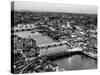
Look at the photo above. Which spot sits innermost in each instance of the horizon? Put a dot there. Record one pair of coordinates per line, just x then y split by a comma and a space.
53, 7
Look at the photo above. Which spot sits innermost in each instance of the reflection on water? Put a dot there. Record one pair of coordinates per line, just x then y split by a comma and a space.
74, 62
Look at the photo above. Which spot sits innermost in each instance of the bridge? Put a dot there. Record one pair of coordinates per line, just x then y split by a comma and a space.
61, 53
57, 48
61, 48
51, 45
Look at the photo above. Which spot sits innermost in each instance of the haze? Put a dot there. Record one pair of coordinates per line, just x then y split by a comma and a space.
51, 7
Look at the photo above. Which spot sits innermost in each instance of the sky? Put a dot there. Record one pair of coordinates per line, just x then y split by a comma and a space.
52, 7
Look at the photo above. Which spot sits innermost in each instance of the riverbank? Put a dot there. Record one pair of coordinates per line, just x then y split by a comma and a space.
90, 54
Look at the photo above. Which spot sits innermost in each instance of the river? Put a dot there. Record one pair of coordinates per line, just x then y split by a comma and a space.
73, 62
